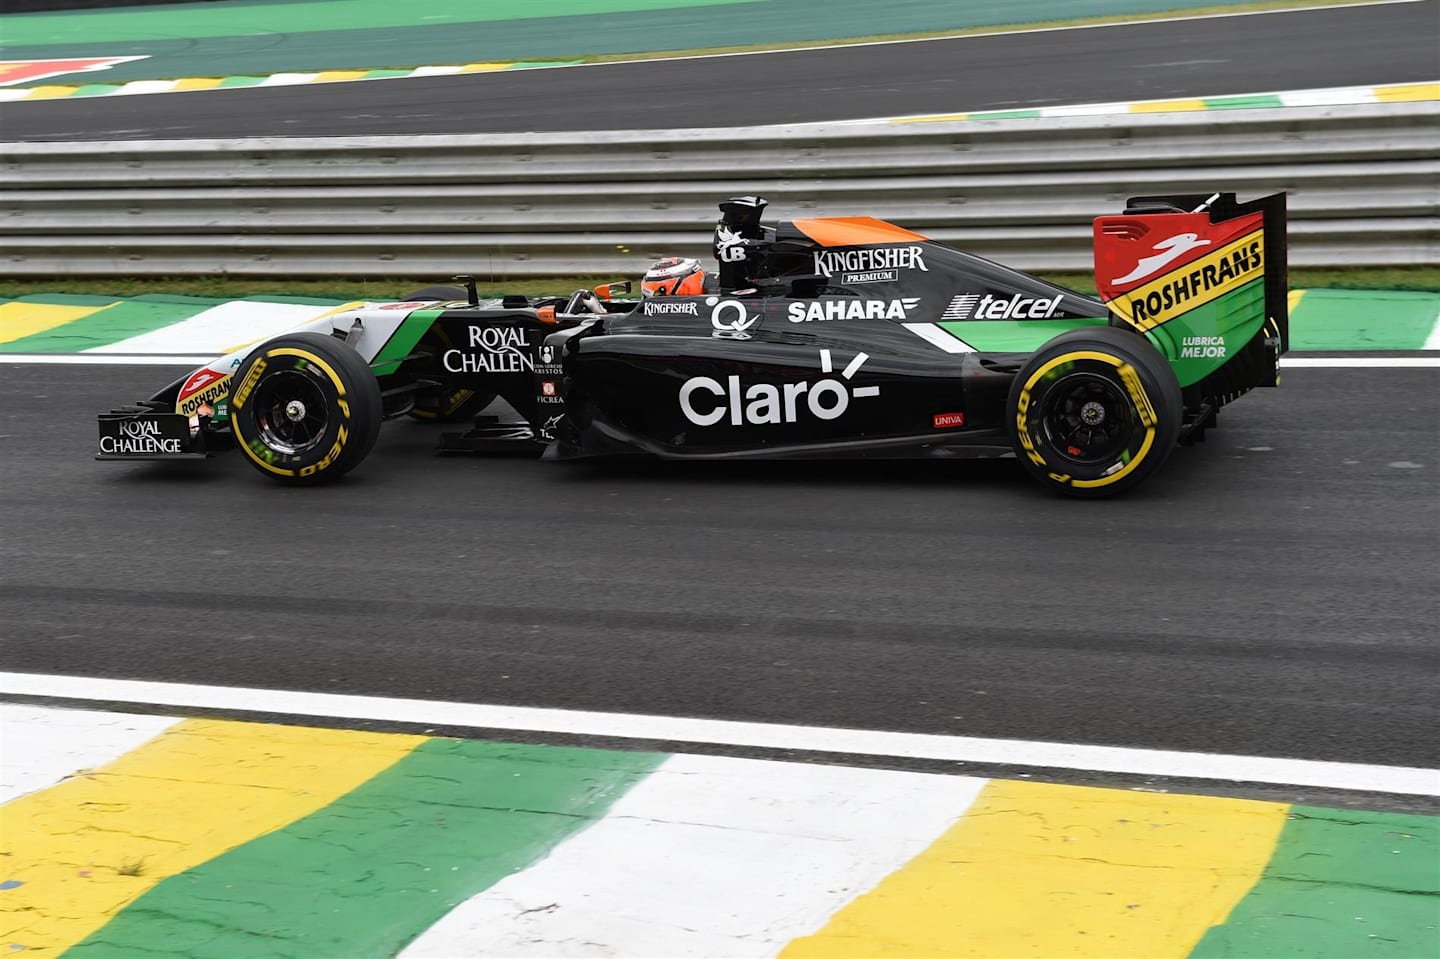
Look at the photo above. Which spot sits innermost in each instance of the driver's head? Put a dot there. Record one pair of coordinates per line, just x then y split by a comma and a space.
674, 276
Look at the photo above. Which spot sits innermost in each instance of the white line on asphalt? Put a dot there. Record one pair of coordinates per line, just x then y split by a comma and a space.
677, 729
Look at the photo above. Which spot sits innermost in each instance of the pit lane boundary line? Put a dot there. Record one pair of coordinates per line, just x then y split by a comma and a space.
1399, 780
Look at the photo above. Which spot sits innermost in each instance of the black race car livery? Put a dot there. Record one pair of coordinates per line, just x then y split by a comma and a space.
824, 337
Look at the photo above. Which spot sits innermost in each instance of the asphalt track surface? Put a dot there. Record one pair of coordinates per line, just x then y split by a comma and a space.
1271, 592
1209, 57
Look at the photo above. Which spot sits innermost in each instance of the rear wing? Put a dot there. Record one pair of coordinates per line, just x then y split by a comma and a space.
1201, 275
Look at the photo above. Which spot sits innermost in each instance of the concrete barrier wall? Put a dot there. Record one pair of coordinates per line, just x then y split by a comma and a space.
1361, 179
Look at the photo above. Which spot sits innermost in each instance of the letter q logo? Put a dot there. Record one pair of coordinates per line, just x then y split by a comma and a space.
729, 316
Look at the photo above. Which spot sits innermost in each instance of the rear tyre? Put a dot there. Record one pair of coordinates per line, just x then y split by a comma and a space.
1094, 412
307, 408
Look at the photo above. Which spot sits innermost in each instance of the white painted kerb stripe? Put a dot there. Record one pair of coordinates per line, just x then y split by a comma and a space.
1432, 342
43, 746
784, 845
965, 749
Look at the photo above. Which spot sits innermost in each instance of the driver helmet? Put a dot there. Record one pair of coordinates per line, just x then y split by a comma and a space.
674, 276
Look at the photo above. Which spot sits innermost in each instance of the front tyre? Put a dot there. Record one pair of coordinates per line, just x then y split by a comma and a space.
1094, 412
307, 408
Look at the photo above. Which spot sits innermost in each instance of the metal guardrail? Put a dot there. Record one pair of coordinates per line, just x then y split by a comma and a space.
1364, 185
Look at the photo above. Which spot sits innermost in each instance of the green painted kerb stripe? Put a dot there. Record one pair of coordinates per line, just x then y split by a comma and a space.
1243, 103
1007, 115
403, 341
125, 319
375, 868
1341, 884
1363, 320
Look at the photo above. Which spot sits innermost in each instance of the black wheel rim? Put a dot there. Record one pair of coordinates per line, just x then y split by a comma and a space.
291, 412
1087, 419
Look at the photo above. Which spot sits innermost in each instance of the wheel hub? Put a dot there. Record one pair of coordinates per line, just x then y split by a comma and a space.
1092, 413
294, 411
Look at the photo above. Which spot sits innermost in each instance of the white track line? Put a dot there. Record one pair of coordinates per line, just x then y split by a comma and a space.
962, 749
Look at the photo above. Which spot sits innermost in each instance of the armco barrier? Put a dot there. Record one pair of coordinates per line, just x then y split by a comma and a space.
1362, 181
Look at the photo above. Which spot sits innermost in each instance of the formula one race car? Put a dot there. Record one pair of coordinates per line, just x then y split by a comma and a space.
821, 338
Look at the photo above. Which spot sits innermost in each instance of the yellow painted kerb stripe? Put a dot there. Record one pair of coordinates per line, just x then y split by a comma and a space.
939, 118
19, 320
88, 847
49, 92
333, 76
1293, 301
1038, 870
198, 83
1167, 106
1407, 92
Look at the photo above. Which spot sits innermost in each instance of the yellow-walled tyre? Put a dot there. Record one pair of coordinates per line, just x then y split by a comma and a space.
1094, 412
306, 408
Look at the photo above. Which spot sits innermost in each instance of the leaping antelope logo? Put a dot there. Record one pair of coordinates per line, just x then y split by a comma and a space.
1170, 250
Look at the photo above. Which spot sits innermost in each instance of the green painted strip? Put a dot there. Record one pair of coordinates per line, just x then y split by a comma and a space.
242, 81
1341, 884
1363, 320
197, 20
296, 300
399, 346
96, 90
1013, 336
179, 299
386, 74
125, 319
532, 64
1242, 103
368, 873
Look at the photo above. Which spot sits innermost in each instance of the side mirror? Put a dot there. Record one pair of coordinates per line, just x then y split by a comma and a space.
608, 291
